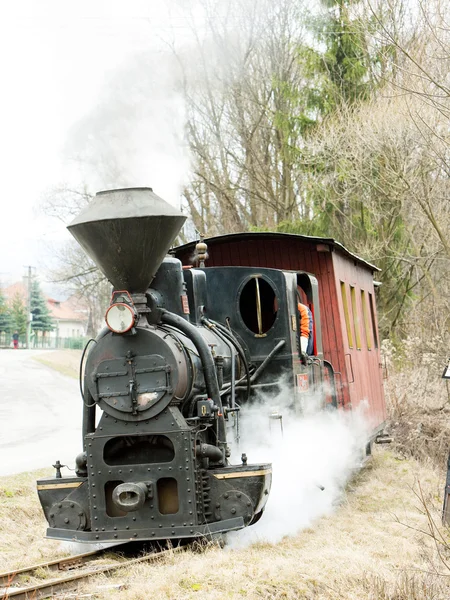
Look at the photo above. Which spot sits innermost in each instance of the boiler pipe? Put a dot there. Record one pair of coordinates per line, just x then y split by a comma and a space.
209, 369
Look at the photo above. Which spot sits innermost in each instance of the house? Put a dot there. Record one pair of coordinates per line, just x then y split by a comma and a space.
70, 316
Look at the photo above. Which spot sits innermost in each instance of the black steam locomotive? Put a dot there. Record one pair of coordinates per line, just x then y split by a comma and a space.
163, 383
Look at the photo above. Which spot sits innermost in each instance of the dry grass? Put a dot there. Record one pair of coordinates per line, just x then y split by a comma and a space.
22, 526
419, 411
371, 547
376, 545
66, 362
361, 551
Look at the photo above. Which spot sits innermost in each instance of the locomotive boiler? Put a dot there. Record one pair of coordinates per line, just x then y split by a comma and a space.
161, 383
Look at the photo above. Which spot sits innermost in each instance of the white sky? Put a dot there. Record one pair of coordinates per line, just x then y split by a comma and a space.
54, 59
73, 80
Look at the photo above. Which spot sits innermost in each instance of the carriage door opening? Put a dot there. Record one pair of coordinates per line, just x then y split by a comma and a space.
320, 372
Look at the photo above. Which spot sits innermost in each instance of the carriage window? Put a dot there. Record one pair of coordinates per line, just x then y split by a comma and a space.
355, 317
372, 315
258, 305
366, 320
346, 315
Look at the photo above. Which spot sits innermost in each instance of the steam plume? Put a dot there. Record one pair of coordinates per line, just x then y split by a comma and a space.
313, 456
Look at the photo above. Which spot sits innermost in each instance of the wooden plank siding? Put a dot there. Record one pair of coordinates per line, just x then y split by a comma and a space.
332, 320
330, 266
368, 384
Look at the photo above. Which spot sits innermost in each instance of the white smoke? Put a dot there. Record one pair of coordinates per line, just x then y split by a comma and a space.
134, 136
313, 455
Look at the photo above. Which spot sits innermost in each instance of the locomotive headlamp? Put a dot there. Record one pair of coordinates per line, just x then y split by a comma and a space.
121, 315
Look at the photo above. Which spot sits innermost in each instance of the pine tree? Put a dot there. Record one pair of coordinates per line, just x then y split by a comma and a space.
340, 70
6, 323
19, 315
42, 319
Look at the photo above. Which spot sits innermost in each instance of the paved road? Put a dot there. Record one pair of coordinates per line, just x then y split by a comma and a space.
40, 414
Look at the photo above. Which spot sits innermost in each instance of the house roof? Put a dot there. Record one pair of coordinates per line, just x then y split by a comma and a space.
12, 290
72, 309
66, 311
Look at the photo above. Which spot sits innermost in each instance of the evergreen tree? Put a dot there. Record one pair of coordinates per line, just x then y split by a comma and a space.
6, 323
19, 315
346, 61
339, 66
42, 319
353, 197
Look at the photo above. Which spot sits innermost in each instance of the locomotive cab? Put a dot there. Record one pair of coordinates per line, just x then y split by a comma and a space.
260, 307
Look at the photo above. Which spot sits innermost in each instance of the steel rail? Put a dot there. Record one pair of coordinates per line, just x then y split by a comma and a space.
60, 564
44, 589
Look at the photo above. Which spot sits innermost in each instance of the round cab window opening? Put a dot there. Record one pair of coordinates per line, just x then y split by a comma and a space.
258, 305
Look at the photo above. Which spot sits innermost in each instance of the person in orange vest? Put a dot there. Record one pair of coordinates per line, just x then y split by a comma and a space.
306, 333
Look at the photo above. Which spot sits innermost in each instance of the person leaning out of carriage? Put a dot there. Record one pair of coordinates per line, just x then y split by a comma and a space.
306, 329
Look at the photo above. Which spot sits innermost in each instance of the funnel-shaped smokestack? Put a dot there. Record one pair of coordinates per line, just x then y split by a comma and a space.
127, 233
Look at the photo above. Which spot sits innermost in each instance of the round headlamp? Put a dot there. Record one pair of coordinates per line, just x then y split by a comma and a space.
120, 317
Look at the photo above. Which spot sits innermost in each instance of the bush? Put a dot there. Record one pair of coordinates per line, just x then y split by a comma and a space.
74, 343
418, 401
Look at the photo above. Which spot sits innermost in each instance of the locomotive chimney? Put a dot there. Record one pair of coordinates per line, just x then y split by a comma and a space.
127, 233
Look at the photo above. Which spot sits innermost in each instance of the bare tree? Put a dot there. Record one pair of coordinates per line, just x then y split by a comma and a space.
419, 50
243, 115
374, 162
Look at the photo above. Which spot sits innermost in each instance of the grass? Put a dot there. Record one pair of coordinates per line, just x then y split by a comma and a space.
419, 407
375, 545
21, 524
351, 554
66, 362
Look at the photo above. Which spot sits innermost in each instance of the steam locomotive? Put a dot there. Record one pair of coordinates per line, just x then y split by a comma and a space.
184, 350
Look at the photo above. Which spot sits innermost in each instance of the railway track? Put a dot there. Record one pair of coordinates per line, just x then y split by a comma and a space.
80, 566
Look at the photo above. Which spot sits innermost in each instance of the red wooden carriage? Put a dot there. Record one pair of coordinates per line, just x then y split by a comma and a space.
348, 319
